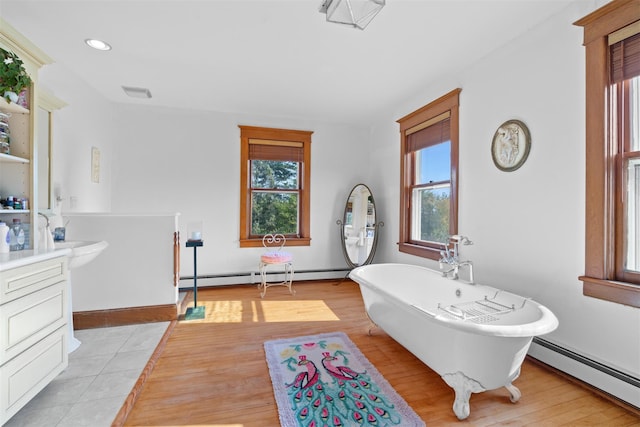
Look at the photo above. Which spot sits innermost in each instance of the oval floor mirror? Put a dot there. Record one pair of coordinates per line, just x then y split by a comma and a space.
359, 227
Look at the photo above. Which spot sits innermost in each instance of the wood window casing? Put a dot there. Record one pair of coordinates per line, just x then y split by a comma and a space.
286, 140
409, 124
602, 231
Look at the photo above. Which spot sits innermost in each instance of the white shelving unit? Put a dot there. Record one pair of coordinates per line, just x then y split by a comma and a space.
8, 158
10, 107
15, 170
14, 211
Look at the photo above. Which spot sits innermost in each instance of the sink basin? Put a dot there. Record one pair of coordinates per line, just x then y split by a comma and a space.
81, 251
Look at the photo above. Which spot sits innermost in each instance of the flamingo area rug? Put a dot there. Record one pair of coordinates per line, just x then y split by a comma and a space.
324, 380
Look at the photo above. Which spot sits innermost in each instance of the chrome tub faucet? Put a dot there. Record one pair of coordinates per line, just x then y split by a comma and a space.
451, 257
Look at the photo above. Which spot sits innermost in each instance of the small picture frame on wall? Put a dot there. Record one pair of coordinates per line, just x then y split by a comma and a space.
511, 145
95, 165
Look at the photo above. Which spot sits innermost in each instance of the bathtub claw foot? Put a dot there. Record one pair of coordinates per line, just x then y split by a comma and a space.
372, 324
514, 392
463, 387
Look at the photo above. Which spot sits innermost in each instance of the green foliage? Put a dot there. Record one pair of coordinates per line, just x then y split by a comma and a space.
274, 210
13, 76
274, 213
434, 219
274, 174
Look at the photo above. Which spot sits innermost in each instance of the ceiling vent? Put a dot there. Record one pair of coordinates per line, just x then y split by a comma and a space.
137, 92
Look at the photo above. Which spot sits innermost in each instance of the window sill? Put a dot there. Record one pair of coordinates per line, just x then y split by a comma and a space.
421, 251
291, 241
609, 290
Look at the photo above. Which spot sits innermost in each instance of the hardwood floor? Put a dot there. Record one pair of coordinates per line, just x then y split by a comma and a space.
213, 372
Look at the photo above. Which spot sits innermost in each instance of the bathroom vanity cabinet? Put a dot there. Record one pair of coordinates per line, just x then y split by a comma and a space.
33, 321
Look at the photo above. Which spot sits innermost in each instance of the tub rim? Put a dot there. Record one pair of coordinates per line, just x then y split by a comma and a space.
547, 322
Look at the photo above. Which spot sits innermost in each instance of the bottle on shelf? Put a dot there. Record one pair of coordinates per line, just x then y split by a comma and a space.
17, 236
5, 238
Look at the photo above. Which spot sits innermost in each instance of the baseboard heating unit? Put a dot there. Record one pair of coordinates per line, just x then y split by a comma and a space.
251, 277
620, 385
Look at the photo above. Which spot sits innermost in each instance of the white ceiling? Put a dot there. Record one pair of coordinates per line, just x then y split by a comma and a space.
268, 57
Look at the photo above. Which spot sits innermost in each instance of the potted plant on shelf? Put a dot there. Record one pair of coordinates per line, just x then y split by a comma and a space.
13, 76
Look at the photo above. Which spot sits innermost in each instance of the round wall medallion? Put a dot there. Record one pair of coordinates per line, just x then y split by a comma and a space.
510, 146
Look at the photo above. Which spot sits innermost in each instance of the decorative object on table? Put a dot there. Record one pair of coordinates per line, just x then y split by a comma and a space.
325, 380
13, 76
194, 230
275, 256
510, 146
195, 312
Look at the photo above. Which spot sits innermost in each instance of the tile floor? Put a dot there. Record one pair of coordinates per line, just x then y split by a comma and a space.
100, 375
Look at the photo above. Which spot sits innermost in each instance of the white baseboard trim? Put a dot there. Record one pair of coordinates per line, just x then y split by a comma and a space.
621, 385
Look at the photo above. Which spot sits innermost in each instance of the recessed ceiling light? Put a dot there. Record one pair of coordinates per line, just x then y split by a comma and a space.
98, 44
137, 92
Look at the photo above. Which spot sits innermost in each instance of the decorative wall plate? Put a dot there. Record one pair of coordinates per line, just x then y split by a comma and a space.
510, 146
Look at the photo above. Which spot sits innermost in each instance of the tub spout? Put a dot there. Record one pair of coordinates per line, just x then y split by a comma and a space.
453, 270
470, 265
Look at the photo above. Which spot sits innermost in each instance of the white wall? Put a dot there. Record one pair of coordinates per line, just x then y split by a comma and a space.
527, 225
178, 160
86, 122
135, 270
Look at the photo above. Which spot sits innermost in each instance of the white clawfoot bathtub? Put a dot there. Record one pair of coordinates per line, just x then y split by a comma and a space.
474, 336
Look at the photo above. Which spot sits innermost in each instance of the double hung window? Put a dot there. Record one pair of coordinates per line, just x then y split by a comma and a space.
625, 112
275, 171
429, 160
430, 165
612, 247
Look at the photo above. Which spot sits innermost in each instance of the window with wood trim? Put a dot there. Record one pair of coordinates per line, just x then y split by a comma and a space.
429, 177
612, 247
275, 172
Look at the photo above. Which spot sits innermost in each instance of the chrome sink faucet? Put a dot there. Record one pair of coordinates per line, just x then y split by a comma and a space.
451, 257
45, 217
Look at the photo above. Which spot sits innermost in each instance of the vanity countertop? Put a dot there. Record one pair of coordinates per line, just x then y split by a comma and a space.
20, 258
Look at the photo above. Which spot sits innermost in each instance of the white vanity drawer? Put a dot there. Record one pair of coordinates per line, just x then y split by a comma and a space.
31, 318
20, 281
24, 376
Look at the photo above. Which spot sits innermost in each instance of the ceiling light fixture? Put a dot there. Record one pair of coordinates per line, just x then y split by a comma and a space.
98, 44
137, 92
354, 13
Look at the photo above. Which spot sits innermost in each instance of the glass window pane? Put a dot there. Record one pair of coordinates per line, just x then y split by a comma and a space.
274, 174
274, 213
633, 216
635, 114
430, 216
433, 164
